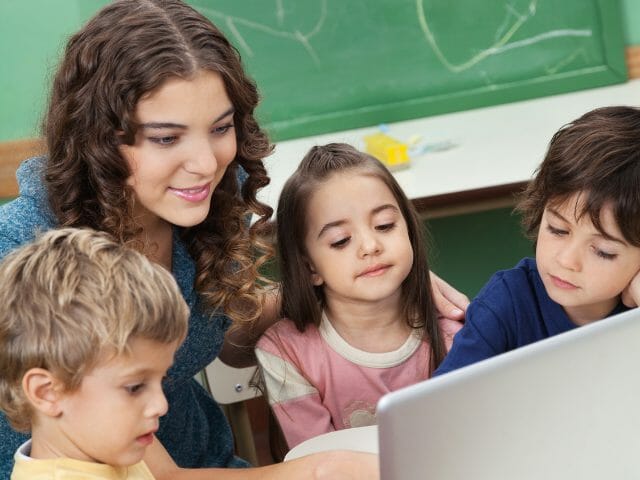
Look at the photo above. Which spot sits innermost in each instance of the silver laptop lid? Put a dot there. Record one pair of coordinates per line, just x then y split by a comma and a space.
567, 407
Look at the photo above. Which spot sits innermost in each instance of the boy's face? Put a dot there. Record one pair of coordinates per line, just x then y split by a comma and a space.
114, 414
582, 269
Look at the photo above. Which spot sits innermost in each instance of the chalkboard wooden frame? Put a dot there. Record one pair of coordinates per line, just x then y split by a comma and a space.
293, 106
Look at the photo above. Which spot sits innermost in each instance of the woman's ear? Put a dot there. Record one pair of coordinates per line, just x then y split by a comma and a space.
43, 391
127, 154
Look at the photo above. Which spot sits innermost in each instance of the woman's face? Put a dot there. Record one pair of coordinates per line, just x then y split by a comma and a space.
183, 147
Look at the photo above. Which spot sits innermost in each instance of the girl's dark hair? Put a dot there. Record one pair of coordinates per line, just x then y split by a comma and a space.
129, 49
597, 155
302, 302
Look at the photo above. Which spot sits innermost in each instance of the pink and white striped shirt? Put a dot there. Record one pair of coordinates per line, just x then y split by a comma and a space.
316, 382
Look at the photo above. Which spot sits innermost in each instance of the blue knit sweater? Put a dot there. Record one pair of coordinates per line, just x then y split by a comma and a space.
194, 431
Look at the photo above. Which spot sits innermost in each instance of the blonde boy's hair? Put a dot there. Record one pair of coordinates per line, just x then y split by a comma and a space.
71, 297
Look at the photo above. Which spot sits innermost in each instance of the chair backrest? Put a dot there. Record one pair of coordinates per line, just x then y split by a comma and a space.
229, 384
230, 387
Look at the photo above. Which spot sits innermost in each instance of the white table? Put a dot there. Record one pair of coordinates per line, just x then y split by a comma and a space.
498, 148
361, 439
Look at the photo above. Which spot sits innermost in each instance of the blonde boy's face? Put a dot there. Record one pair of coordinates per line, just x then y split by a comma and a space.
582, 269
114, 414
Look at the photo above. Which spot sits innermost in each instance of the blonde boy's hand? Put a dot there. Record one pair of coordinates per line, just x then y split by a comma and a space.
631, 294
450, 303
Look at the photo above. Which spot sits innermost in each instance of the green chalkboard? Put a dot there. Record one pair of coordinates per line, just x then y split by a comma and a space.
327, 65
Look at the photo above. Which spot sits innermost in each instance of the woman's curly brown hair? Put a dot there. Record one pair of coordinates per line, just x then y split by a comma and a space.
129, 49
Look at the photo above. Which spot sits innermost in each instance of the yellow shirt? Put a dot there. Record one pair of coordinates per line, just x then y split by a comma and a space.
68, 469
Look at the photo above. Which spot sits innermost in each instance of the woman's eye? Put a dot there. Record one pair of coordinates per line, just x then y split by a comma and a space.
133, 389
340, 243
385, 227
555, 231
168, 140
221, 130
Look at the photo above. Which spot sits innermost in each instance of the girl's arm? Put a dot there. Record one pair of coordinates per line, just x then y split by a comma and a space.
334, 465
294, 401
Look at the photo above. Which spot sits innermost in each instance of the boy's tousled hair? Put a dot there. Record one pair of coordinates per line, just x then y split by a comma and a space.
302, 302
69, 298
597, 155
126, 51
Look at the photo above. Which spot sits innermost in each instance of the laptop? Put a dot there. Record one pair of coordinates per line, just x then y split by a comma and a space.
567, 407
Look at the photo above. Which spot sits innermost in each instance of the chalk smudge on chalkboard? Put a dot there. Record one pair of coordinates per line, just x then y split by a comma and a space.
501, 43
232, 23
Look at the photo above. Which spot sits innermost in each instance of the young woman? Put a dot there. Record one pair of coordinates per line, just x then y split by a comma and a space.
151, 138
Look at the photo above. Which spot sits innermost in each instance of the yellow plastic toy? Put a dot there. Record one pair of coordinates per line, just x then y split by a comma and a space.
391, 152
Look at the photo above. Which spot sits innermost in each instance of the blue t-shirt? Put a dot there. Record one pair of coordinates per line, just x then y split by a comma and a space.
512, 310
194, 431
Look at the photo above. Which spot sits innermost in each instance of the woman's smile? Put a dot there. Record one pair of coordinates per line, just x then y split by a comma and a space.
195, 194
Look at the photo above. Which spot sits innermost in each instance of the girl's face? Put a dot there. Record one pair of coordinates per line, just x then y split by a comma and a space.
357, 239
183, 147
583, 269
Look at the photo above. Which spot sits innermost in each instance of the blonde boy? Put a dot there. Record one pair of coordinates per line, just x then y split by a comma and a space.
88, 329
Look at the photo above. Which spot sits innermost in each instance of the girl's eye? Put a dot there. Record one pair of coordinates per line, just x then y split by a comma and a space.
385, 227
133, 389
163, 141
556, 231
221, 130
340, 243
605, 255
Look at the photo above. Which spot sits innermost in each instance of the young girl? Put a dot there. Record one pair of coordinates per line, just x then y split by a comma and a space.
583, 209
355, 291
